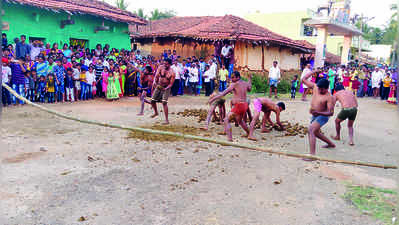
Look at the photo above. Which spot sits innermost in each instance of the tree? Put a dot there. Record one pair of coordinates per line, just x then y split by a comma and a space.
140, 13
157, 14
121, 4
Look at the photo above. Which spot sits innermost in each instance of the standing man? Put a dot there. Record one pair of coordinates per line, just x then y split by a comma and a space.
225, 54
274, 79
213, 67
349, 111
163, 82
239, 102
22, 49
305, 87
376, 79
322, 107
18, 79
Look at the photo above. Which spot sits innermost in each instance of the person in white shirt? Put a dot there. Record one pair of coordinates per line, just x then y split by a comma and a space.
376, 78
76, 78
305, 88
274, 79
225, 54
88, 60
213, 67
5, 76
193, 78
175, 87
90, 77
207, 80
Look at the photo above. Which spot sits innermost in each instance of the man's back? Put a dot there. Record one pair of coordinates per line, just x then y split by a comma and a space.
346, 98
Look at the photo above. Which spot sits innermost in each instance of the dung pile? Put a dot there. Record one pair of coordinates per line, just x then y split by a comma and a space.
163, 138
290, 129
201, 114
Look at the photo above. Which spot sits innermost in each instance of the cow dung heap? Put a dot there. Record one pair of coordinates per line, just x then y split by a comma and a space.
200, 113
163, 138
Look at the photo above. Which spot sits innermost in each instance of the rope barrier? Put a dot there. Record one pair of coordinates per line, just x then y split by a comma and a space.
198, 138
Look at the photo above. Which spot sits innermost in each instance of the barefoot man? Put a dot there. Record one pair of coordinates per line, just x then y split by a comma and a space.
212, 111
163, 82
322, 107
349, 105
240, 104
145, 87
266, 106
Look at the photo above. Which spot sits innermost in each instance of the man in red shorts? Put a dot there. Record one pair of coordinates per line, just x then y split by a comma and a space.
239, 101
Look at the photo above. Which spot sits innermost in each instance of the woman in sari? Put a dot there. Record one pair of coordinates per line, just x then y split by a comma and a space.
122, 72
131, 84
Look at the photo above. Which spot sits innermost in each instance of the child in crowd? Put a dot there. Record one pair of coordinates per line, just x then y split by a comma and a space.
59, 75
69, 85
117, 80
83, 84
76, 75
392, 97
294, 85
90, 79
355, 85
386, 87
50, 88
29, 86
112, 92
6, 78
41, 89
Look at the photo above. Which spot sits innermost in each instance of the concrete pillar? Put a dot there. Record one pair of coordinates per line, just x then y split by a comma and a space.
320, 46
345, 49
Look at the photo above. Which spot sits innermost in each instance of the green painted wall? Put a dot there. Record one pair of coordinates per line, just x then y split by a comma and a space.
289, 24
47, 24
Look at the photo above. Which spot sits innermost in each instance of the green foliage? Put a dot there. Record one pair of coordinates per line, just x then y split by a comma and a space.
121, 4
155, 14
260, 84
379, 203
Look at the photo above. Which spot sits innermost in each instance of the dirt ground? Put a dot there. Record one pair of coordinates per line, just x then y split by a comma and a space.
55, 171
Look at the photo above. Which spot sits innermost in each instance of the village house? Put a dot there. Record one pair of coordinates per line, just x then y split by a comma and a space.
255, 47
74, 22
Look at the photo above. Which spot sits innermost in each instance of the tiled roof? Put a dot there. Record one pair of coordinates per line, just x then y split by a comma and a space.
215, 28
93, 7
330, 57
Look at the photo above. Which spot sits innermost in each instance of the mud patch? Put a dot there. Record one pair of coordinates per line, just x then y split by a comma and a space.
23, 157
164, 138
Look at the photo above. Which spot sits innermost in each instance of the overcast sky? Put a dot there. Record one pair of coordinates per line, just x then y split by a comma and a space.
371, 8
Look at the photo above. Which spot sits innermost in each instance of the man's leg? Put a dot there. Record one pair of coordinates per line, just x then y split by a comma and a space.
350, 129
305, 92
166, 112
275, 91
252, 126
154, 106
270, 91
227, 126
337, 129
313, 128
244, 126
209, 116
22, 93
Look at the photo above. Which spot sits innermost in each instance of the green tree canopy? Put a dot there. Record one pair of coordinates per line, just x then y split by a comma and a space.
121, 4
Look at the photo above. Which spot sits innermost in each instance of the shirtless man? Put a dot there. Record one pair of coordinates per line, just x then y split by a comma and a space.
322, 107
349, 105
212, 111
163, 82
239, 101
145, 87
267, 107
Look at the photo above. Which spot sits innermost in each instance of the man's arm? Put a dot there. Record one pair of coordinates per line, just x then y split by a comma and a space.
22, 66
172, 80
278, 119
306, 81
224, 93
156, 77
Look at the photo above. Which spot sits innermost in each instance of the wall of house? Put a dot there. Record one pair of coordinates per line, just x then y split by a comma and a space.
250, 57
40, 23
290, 24
247, 56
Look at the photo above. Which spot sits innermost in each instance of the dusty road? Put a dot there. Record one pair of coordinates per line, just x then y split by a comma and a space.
55, 171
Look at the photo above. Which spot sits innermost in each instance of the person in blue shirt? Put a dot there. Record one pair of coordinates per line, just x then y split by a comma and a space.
59, 73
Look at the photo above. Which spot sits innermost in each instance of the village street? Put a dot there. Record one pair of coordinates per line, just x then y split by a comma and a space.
55, 171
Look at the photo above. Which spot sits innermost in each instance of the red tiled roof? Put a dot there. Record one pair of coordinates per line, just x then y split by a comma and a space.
214, 28
93, 7
330, 57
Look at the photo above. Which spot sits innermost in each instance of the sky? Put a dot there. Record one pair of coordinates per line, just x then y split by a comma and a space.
380, 9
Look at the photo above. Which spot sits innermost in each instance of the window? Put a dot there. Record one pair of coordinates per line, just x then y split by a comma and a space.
81, 42
32, 39
307, 30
